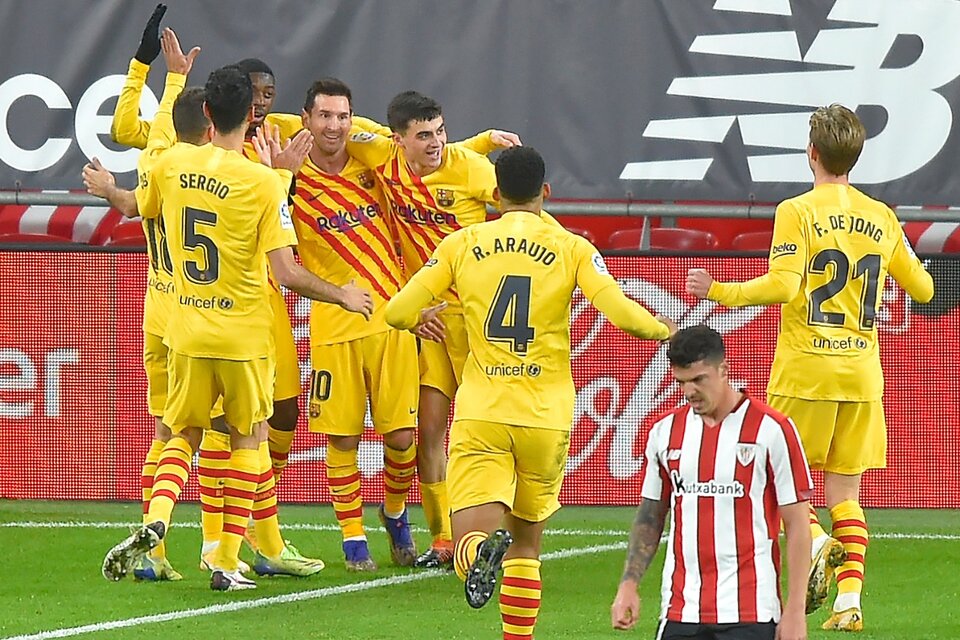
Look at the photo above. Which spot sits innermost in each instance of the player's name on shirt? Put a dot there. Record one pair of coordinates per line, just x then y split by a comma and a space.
205, 183
848, 223
510, 244
416, 215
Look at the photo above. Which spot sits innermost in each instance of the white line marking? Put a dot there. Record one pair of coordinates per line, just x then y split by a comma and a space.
606, 533
79, 524
312, 594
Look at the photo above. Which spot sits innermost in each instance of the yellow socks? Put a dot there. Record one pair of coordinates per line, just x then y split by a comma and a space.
466, 551
343, 476
850, 528
399, 467
211, 471
173, 469
265, 522
816, 530
280, 443
239, 489
436, 509
520, 598
147, 472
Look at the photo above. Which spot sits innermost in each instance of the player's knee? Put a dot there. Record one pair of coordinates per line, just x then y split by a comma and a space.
399, 440
286, 413
343, 443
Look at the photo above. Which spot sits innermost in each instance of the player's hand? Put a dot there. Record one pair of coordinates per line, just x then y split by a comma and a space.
266, 142
670, 324
625, 611
505, 139
293, 155
97, 180
356, 300
173, 55
792, 626
699, 282
430, 326
149, 47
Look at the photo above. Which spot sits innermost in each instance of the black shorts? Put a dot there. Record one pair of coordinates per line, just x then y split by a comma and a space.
690, 631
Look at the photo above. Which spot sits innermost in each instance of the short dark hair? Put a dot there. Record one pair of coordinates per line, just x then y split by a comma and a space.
694, 344
520, 172
189, 120
228, 95
411, 106
254, 65
327, 87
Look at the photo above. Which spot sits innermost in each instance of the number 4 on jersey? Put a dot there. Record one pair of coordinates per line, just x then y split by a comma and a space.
509, 316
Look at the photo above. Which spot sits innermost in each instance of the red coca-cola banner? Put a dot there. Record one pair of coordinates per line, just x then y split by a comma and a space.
73, 422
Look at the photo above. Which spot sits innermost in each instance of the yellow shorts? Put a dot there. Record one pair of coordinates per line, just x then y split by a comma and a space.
155, 366
840, 437
195, 385
522, 467
380, 366
441, 363
287, 383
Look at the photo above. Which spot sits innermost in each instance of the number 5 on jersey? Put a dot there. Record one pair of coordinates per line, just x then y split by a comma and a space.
193, 239
509, 317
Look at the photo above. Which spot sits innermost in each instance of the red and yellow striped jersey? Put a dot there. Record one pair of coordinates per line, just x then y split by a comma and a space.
344, 232
427, 209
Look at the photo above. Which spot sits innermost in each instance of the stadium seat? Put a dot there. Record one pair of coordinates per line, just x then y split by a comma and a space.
683, 240
127, 231
625, 239
586, 233
752, 241
32, 238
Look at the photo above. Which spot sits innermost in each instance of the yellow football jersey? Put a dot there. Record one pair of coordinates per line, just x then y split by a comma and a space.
162, 136
428, 209
515, 277
344, 235
843, 244
222, 214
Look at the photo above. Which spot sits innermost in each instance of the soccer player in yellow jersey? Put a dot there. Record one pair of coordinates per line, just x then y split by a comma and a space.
187, 122
344, 235
222, 213
833, 248
515, 277
129, 129
432, 189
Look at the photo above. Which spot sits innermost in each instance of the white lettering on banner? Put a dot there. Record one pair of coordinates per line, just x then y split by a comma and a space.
25, 379
654, 387
89, 125
907, 94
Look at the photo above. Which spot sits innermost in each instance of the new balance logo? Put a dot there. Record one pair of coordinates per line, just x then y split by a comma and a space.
848, 64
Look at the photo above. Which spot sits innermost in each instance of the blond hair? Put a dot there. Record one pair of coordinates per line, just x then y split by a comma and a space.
838, 136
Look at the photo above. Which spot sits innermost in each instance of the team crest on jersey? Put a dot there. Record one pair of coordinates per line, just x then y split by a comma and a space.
746, 453
363, 136
314, 409
445, 197
366, 180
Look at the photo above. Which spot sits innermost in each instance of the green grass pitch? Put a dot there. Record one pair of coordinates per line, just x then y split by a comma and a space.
50, 583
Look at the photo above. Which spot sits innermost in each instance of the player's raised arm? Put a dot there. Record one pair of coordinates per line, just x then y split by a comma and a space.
605, 294
127, 128
779, 285
100, 182
908, 271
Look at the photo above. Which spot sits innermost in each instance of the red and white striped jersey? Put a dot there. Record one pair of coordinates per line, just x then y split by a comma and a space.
725, 484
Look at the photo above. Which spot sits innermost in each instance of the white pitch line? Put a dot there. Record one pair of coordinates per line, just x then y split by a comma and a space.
299, 596
332, 527
80, 524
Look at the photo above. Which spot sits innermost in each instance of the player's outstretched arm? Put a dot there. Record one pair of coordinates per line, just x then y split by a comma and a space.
775, 287
644, 541
127, 128
796, 527
630, 316
291, 275
100, 182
